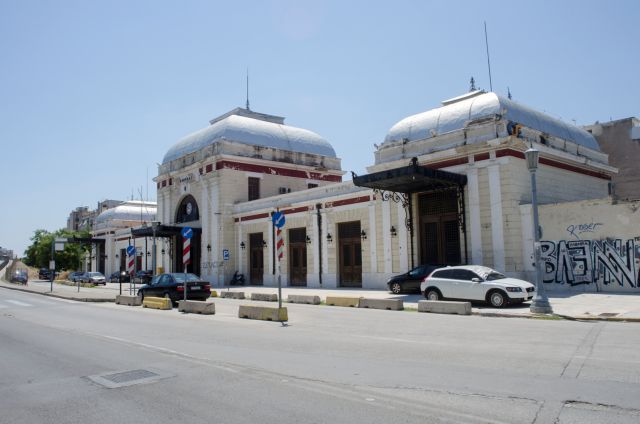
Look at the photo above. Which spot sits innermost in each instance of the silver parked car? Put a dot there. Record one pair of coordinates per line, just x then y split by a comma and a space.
95, 278
476, 283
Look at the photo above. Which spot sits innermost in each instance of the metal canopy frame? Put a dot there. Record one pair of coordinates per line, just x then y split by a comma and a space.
399, 184
165, 231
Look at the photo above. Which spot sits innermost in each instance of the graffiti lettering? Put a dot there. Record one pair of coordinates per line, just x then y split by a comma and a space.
600, 262
576, 230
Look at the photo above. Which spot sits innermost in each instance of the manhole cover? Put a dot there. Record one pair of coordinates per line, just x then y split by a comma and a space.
128, 378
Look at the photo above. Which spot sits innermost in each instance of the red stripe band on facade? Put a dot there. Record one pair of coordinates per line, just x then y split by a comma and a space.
344, 202
450, 162
555, 164
296, 210
481, 156
252, 217
274, 170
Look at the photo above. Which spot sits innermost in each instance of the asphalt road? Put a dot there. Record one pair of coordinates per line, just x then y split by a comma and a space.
329, 365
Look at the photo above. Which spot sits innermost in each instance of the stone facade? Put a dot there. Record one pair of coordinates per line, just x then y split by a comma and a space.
354, 235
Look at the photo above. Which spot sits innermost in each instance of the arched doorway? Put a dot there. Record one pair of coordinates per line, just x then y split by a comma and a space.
187, 210
188, 214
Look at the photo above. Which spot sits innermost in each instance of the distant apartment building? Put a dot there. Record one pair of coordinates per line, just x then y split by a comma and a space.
81, 218
6, 253
620, 139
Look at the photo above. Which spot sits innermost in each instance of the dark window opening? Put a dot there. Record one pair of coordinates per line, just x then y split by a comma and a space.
254, 188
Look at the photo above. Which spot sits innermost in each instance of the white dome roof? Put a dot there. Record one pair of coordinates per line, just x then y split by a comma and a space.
455, 114
254, 131
132, 210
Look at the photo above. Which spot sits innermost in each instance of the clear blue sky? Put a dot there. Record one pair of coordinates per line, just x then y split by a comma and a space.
95, 92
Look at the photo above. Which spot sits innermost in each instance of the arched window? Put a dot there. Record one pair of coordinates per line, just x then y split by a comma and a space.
187, 210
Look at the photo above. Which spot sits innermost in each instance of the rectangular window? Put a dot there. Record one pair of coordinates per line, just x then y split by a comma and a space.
312, 185
254, 188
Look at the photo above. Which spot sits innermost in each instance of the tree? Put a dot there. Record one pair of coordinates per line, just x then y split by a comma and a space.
38, 254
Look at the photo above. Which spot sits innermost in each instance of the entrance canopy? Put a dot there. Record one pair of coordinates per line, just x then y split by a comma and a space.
399, 184
410, 179
161, 231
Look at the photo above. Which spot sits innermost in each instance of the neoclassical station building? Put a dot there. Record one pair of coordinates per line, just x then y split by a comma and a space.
448, 186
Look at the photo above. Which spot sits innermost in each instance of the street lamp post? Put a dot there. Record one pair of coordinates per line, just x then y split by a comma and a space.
154, 228
540, 303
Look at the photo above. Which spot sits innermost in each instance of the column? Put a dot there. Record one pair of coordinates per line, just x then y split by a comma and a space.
497, 228
474, 217
403, 245
386, 241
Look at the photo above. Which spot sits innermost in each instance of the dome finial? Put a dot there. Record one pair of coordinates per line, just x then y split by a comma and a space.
473, 85
248, 88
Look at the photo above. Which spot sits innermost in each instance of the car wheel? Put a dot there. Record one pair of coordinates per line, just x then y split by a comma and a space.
396, 288
166, 296
141, 294
497, 299
433, 294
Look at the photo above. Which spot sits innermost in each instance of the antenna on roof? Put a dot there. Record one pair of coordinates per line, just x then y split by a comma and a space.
486, 41
508, 93
472, 82
248, 89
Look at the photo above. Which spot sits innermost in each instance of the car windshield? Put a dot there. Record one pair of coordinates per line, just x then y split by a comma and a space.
95, 274
180, 277
494, 276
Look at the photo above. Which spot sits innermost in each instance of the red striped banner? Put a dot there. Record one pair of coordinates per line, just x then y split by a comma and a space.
130, 264
279, 243
186, 251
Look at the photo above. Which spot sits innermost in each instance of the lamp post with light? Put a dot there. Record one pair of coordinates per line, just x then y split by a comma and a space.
540, 303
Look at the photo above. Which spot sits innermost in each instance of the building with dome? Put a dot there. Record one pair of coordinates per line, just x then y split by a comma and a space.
113, 226
447, 186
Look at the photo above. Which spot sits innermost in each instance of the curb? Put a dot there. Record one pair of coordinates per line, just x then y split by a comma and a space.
81, 299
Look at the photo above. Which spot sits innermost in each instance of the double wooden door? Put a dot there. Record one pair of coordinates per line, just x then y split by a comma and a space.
350, 254
256, 258
298, 257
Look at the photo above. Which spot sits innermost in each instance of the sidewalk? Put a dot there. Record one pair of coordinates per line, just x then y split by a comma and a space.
583, 306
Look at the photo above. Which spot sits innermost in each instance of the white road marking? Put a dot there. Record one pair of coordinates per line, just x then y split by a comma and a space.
17, 302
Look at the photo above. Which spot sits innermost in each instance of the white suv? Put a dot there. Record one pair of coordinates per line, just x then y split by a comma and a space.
475, 283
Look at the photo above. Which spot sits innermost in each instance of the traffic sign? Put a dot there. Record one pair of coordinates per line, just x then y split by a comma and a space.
225, 254
187, 232
278, 219
131, 250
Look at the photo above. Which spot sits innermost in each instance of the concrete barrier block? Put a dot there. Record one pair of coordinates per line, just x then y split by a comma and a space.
303, 298
232, 295
444, 307
122, 299
264, 313
197, 307
387, 304
343, 301
157, 303
266, 297
214, 293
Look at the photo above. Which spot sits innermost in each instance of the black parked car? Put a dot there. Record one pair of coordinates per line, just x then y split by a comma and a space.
119, 277
172, 286
44, 274
143, 277
20, 276
410, 281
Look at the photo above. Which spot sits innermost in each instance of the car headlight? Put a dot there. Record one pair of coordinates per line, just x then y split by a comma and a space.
514, 289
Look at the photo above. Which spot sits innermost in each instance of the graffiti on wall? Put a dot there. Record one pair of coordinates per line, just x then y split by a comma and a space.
604, 263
